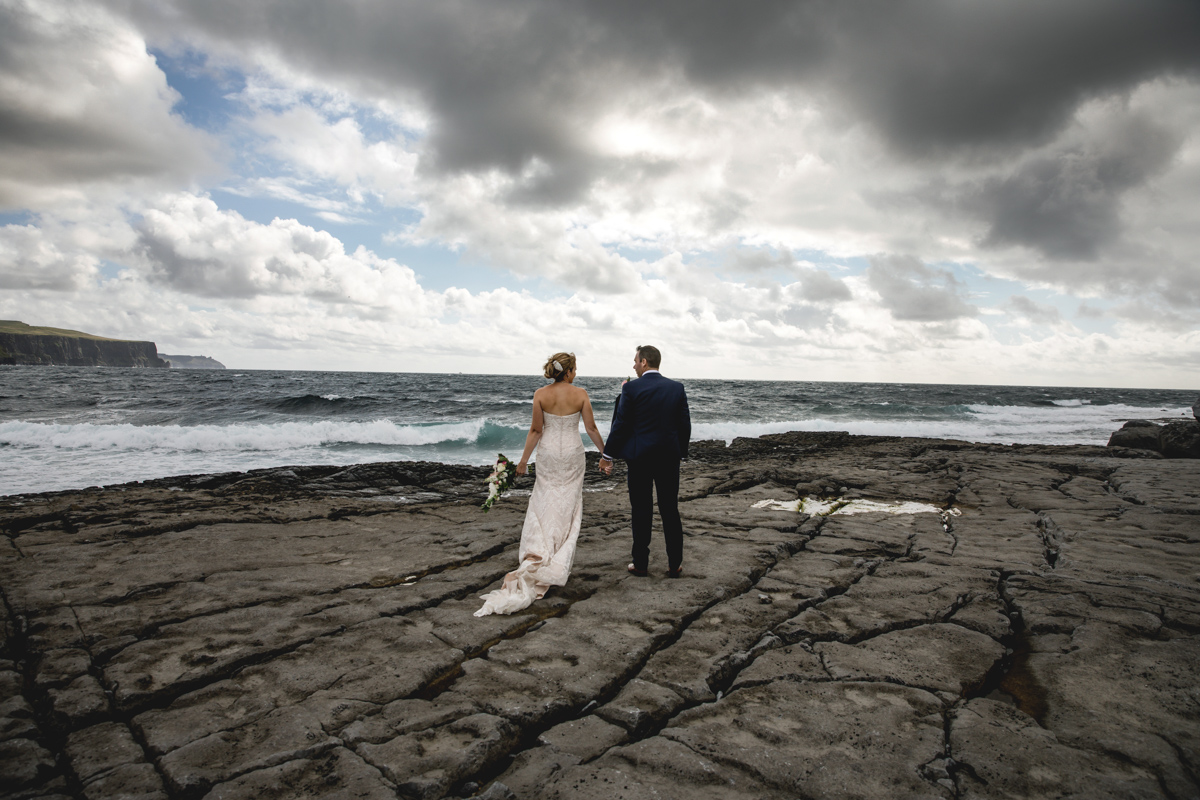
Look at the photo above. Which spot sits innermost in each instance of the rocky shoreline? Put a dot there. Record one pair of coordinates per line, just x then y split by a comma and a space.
307, 632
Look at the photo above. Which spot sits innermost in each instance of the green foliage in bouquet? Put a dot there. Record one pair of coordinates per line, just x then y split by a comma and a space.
503, 478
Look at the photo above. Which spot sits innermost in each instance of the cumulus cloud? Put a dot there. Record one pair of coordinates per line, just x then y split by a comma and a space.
193, 246
317, 148
29, 259
914, 292
82, 103
821, 287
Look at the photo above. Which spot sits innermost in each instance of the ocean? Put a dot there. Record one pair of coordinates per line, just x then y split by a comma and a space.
72, 427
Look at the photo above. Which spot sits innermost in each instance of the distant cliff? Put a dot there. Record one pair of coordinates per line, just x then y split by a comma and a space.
192, 362
29, 345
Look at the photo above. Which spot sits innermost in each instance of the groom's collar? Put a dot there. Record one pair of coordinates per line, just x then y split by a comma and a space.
646, 372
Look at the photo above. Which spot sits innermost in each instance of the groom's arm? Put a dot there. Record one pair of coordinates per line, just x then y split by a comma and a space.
685, 425
618, 432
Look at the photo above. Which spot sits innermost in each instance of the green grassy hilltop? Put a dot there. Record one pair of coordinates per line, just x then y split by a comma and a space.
20, 328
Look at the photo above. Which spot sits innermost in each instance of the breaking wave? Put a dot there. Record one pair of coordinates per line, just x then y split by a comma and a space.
1080, 423
242, 438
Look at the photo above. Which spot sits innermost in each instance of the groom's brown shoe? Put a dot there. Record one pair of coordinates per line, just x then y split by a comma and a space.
641, 573
675, 573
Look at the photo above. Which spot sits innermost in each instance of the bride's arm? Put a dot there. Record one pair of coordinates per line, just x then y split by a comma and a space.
533, 437
589, 424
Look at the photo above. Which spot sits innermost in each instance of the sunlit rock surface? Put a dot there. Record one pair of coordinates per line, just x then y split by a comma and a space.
989, 622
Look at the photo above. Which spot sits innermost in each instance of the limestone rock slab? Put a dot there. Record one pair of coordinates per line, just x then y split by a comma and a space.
822, 739
940, 657
100, 749
1006, 754
427, 763
584, 738
284, 735
657, 769
336, 775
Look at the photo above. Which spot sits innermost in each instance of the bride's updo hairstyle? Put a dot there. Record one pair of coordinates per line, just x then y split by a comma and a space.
558, 365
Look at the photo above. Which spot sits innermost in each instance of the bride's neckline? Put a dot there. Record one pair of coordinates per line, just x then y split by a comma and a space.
561, 416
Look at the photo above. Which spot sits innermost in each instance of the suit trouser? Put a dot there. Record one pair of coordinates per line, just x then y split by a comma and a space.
646, 475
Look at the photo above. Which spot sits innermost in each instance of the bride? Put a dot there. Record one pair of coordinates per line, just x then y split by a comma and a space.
556, 507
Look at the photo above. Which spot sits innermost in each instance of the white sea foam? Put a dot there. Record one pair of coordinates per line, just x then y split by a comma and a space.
1081, 424
40, 457
241, 438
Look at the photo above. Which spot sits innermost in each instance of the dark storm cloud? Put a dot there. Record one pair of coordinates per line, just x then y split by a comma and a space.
510, 81
914, 292
1066, 205
80, 101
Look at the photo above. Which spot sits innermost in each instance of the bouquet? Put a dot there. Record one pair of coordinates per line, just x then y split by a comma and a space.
503, 478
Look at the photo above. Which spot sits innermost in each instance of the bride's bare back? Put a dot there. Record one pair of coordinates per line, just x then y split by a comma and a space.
560, 399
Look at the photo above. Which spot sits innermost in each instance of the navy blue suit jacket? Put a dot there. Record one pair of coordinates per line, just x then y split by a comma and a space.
651, 418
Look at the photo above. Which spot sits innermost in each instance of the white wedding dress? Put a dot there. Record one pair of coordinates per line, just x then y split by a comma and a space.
552, 521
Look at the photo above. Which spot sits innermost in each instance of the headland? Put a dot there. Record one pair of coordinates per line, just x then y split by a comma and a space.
28, 345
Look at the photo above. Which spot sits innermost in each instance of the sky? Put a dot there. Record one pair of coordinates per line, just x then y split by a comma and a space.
947, 191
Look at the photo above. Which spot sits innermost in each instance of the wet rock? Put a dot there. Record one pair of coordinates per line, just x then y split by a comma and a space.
80, 703
279, 737
25, 763
1111, 688
497, 791
817, 739
408, 716
532, 770
427, 763
101, 749
794, 663
584, 738
60, 667
895, 595
639, 706
1181, 439
937, 657
336, 775
129, 782
657, 768
1005, 754
16, 715
1141, 434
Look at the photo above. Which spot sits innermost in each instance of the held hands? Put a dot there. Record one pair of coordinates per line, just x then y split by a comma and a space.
606, 467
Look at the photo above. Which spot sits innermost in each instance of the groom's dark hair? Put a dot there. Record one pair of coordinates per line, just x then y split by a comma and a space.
649, 353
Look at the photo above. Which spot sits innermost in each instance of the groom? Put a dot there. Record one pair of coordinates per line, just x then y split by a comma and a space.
651, 428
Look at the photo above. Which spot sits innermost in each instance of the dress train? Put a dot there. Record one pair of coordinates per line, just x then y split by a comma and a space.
552, 521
